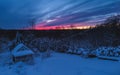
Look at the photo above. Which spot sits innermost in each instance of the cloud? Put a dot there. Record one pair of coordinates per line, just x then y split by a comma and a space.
18, 13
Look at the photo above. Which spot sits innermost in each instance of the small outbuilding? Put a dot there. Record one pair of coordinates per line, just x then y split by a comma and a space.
22, 53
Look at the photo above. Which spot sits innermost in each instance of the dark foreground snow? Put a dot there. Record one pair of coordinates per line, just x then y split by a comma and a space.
63, 64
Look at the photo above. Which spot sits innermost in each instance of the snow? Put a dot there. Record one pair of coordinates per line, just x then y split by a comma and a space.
109, 58
108, 51
17, 51
5, 58
22, 53
63, 64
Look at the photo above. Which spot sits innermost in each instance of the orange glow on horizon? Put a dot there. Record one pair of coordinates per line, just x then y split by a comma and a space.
62, 27
43, 26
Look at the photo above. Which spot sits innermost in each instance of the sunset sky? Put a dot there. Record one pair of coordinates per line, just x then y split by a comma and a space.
53, 14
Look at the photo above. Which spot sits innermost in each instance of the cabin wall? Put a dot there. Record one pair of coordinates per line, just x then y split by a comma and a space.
26, 58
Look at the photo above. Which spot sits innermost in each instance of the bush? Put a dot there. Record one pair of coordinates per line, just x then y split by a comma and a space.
108, 51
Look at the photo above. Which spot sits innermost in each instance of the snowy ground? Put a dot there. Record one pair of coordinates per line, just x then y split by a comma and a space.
64, 64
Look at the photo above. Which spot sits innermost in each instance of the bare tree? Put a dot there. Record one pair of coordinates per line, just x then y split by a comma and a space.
32, 23
18, 39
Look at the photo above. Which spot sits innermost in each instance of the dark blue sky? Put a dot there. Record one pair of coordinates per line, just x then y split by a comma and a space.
18, 13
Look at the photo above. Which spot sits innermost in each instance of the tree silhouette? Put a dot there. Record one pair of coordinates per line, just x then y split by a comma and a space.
32, 23
113, 21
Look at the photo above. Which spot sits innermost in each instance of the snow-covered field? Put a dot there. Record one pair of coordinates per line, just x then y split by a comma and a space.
63, 64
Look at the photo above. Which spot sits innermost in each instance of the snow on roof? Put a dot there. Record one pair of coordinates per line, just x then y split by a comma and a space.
21, 50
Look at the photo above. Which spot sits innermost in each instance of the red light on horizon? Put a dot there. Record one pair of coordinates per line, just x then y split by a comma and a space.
60, 27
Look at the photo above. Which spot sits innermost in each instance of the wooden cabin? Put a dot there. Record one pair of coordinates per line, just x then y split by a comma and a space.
22, 53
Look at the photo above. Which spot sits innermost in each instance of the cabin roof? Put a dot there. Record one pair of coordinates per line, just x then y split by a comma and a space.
21, 50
